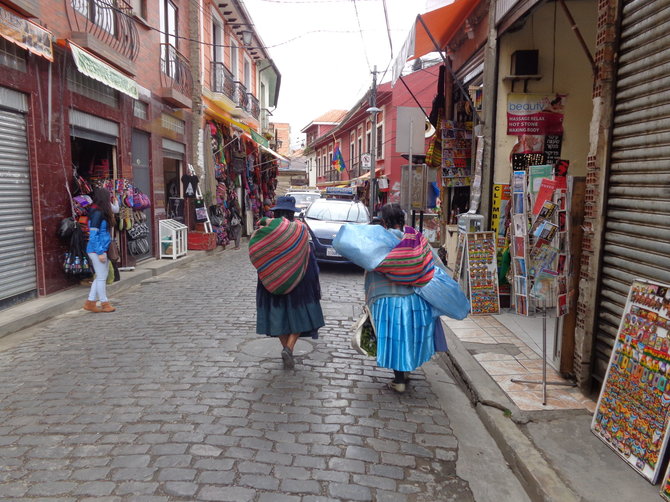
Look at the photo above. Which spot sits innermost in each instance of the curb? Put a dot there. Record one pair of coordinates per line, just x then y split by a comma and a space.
499, 414
40, 309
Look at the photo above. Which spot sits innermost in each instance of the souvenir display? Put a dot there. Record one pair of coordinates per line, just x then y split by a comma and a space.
456, 153
539, 241
633, 410
482, 272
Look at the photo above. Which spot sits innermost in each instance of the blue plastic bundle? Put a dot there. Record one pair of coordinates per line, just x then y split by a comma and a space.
445, 296
364, 245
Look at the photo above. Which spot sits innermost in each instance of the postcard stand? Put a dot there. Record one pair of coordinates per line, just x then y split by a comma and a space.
544, 361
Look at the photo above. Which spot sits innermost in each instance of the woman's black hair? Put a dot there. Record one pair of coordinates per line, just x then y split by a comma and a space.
103, 199
283, 213
393, 216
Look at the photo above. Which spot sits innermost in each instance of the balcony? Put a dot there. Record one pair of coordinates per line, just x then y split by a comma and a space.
223, 80
265, 121
105, 27
176, 78
240, 96
254, 107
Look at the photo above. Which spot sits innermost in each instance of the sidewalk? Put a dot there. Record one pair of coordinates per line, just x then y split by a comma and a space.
40, 309
550, 446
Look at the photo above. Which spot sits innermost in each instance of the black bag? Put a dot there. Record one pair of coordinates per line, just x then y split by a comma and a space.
216, 215
66, 227
76, 259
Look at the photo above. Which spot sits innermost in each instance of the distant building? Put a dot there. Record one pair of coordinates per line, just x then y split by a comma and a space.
282, 137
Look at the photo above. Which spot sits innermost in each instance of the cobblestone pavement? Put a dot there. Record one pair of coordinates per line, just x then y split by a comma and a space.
174, 397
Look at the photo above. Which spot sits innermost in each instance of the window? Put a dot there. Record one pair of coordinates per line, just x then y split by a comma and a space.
359, 150
99, 12
168, 26
92, 89
352, 149
217, 41
380, 141
368, 139
12, 55
318, 166
139, 8
233, 58
247, 74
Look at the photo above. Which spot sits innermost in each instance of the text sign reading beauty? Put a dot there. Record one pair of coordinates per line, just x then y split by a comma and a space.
536, 114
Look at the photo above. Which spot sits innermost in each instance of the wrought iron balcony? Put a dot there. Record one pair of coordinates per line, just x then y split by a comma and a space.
240, 96
254, 107
223, 80
107, 21
175, 74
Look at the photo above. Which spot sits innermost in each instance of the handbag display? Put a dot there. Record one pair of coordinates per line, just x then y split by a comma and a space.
364, 338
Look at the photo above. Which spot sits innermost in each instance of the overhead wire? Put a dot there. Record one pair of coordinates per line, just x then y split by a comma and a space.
365, 51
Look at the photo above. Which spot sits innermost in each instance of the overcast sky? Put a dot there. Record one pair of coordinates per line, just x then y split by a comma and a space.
324, 60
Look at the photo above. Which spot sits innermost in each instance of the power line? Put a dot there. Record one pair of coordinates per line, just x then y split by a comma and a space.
365, 51
388, 29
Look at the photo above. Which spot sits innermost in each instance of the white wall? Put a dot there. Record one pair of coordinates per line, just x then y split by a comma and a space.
565, 69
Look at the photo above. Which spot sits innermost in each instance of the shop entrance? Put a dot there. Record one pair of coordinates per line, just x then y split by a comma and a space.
93, 160
142, 180
172, 173
18, 278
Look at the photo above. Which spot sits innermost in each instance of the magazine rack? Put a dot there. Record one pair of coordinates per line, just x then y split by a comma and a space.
173, 239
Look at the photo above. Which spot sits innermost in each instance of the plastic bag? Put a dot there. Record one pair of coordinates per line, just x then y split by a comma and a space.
445, 296
364, 245
364, 339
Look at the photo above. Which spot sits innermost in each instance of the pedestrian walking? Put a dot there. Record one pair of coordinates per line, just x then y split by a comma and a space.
403, 321
100, 221
288, 291
236, 223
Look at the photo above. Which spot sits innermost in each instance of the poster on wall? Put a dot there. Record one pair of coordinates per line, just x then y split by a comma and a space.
502, 194
633, 411
456, 154
483, 273
535, 114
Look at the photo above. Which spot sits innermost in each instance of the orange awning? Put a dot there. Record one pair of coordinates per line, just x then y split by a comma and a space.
442, 23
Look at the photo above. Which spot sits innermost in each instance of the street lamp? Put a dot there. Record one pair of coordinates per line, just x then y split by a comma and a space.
373, 111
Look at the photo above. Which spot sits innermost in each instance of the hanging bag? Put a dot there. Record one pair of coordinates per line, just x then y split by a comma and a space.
364, 338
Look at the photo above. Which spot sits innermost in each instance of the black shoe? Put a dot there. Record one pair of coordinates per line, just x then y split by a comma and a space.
287, 356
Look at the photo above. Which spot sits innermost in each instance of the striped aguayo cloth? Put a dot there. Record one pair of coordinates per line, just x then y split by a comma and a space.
280, 252
410, 262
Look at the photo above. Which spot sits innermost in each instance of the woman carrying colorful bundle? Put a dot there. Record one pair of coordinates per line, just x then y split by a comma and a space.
403, 321
288, 292
100, 220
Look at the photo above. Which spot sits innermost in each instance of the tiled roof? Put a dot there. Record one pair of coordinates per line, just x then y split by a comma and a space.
331, 116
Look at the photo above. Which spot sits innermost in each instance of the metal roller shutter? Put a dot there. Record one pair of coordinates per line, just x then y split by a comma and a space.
17, 246
637, 228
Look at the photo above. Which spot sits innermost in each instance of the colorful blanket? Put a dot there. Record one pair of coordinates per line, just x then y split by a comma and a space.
280, 251
410, 262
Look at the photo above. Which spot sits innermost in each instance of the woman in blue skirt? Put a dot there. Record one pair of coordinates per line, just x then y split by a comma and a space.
403, 321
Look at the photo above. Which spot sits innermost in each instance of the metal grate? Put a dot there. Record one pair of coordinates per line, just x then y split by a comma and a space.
12, 55
86, 86
173, 124
141, 110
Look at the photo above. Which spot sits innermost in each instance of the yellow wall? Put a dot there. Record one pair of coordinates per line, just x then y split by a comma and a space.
561, 57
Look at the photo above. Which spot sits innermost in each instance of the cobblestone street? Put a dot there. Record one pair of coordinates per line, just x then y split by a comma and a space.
174, 397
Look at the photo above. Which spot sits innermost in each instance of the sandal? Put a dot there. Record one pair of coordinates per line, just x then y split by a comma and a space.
397, 387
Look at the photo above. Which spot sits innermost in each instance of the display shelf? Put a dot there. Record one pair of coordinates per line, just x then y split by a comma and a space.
173, 238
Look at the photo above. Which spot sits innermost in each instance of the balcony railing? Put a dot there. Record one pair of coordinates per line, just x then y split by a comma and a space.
175, 71
265, 121
109, 21
240, 96
223, 80
254, 107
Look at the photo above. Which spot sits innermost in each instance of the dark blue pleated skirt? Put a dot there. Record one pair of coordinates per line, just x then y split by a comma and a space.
296, 312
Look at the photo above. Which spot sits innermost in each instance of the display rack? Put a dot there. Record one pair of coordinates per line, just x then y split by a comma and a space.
173, 239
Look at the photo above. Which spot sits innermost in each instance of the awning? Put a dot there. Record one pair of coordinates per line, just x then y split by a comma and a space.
366, 176
97, 69
26, 34
441, 23
280, 157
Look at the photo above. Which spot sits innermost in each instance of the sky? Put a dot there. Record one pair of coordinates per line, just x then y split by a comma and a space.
325, 50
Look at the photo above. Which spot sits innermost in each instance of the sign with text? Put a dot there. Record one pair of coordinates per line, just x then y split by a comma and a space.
25, 34
535, 114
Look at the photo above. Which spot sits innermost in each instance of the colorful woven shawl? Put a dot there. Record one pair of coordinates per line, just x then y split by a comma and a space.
410, 262
280, 251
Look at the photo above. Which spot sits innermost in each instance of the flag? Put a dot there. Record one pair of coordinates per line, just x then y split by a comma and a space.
338, 161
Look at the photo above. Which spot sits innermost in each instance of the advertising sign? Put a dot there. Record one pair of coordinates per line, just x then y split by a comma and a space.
535, 114
25, 34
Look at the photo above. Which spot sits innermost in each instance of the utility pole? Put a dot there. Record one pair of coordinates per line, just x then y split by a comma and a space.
373, 110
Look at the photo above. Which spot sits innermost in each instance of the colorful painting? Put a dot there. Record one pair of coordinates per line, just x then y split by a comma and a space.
483, 272
633, 412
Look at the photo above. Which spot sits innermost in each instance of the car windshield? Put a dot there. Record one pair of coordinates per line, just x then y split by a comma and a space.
329, 210
302, 200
